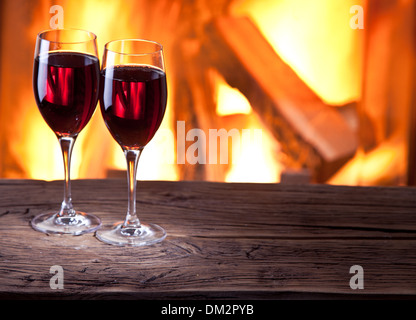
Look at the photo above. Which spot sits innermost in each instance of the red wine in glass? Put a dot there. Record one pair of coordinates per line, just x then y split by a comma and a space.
66, 85
133, 96
133, 103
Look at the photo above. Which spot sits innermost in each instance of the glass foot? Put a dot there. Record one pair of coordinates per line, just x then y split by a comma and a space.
77, 224
146, 234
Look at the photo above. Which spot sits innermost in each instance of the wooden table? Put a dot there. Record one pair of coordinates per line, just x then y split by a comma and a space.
225, 241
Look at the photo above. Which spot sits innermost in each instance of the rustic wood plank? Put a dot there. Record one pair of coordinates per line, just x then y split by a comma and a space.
224, 241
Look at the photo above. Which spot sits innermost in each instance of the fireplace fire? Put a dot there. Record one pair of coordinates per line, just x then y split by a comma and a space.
258, 91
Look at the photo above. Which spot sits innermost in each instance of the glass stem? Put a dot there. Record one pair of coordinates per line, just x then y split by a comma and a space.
132, 157
67, 144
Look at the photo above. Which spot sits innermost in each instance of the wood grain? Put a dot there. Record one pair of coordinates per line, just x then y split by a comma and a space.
237, 241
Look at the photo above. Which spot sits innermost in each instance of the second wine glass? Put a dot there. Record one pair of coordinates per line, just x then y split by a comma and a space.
133, 95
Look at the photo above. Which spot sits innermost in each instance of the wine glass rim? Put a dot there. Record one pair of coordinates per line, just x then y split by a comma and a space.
93, 35
159, 45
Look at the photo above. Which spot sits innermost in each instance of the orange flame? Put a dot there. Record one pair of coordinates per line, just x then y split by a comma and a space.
40, 146
305, 34
315, 38
257, 157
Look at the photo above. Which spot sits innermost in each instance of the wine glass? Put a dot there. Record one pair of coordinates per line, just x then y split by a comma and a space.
133, 96
66, 83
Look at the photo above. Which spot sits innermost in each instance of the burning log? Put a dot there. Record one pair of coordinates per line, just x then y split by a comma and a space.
313, 134
387, 112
